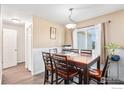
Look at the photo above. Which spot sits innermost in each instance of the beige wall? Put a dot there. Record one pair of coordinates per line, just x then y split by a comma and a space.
68, 37
0, 47
20, 40
41, 33
115, 28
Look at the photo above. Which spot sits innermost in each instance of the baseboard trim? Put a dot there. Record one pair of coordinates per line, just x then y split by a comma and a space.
38, 72
19, 62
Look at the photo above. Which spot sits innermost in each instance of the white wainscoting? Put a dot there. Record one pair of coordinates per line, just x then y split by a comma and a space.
114, 67
38, 64
0, 73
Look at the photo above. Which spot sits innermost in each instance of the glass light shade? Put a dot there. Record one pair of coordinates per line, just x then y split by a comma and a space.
16, 20
71, 26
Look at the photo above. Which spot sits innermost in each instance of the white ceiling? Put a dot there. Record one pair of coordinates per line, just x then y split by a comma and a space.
58, 12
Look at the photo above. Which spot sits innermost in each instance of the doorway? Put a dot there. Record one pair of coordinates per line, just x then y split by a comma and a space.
14, 70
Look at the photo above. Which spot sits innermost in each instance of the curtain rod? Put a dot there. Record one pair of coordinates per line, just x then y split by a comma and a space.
85, 26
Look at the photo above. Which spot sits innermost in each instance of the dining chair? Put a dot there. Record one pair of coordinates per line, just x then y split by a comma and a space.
54, 50
100, 76
66, 51
74, 50
85, 52
63, 69
49, 67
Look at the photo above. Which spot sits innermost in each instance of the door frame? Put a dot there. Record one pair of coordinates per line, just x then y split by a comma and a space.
29, 59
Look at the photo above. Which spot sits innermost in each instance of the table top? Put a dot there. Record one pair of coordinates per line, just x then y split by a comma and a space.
80, 59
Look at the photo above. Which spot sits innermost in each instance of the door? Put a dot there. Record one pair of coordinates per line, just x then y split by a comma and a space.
9, 48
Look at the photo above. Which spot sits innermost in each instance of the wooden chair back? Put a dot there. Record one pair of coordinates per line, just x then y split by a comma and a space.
47, 59
74, 50
87, 52
61, 64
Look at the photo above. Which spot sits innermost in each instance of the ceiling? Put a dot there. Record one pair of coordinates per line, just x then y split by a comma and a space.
58, 12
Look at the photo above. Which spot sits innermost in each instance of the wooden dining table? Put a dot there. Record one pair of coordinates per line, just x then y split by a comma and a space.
83, 62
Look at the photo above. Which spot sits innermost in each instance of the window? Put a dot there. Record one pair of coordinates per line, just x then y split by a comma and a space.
88, 38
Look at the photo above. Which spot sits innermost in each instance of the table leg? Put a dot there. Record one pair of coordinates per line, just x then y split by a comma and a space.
118, 70
80, 77
98, 64
86, 76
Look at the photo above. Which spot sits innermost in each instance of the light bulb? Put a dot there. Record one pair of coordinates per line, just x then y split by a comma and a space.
71, 26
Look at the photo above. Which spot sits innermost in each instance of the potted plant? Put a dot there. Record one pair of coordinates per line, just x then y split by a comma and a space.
111, 48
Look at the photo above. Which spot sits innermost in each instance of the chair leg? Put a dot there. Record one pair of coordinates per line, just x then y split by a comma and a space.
66, 81
46, 76
45, 80
52, 77
98, 83
56, 79
106, 81
89, 79
72, 79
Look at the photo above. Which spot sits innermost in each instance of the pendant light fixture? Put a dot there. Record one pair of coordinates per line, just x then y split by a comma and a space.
72, 24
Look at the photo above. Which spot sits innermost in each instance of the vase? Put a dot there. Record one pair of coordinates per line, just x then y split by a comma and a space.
115, 57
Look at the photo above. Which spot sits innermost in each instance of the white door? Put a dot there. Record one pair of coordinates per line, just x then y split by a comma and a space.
9, 48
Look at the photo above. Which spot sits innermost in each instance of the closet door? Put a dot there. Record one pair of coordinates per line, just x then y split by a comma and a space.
9, 48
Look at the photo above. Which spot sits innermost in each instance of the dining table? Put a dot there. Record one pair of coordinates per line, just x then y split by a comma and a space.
83, 62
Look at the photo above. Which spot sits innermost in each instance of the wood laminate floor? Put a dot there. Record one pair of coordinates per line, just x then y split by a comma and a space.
20, 75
